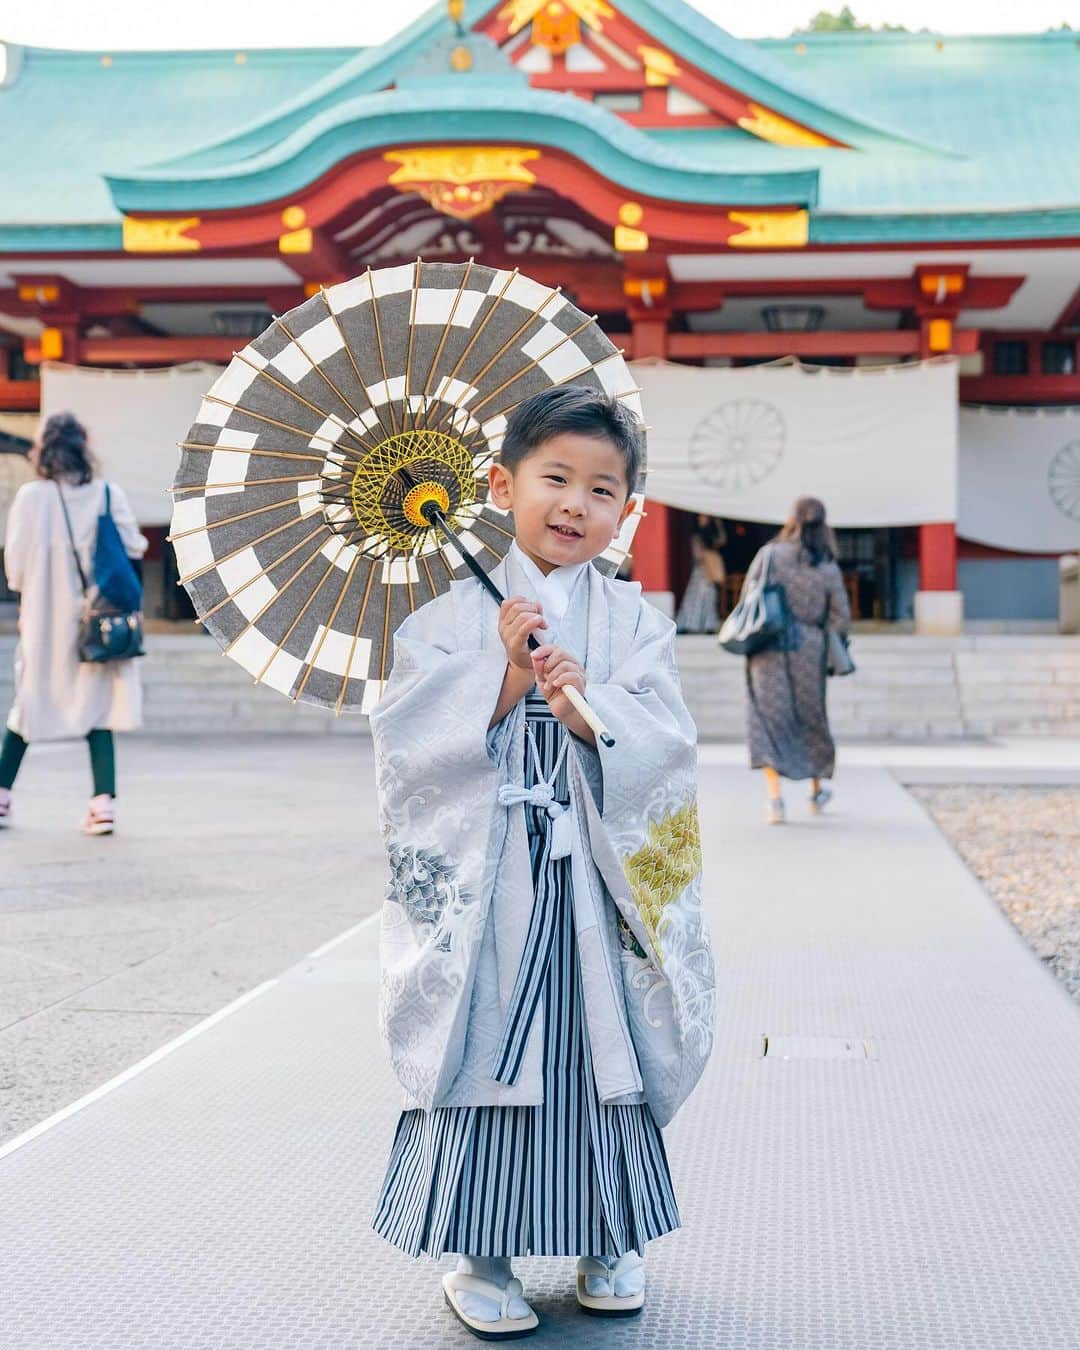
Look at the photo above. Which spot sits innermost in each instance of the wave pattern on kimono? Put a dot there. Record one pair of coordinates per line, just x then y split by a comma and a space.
457, 914
567, 1177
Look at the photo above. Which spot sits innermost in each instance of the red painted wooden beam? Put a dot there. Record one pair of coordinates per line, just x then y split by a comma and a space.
149, 351
1020, 388
891, 342
979, 292
20, 395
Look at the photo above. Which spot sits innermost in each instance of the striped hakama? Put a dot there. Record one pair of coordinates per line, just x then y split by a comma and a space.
569, 1177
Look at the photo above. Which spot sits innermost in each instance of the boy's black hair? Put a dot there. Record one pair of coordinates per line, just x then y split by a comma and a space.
573, 407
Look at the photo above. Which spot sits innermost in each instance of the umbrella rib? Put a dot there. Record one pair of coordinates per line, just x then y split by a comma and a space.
293, 393
303, 610
228, 557
446, 330
533, 362
355, 640
386, 619
352, 359
448, 379
244, 450
240, 515
484, 520
246, 482
335, 447
382, 357
479, 375
278, 593
325, 378
427, 571
262, 572
407, 408
327, 626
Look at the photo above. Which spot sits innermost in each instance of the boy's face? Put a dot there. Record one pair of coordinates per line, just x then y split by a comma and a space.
569, 498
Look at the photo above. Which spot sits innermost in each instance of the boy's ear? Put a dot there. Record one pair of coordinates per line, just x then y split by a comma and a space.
626, 511
501, 485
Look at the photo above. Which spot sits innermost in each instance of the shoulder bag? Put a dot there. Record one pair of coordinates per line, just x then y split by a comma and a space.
105, 634
761, 619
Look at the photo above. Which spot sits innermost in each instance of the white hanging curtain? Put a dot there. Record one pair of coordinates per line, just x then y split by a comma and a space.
1020, 478
877, 444
135, 418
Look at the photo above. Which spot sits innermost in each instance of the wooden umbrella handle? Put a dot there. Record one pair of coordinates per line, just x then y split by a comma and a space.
589, 715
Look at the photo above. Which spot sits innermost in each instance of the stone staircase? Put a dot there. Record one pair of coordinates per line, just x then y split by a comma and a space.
914, 688
906, 687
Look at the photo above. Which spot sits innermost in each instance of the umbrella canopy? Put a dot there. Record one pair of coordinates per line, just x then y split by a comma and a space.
298, 518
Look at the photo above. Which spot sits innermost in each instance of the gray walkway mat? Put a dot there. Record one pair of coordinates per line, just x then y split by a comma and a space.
900, 1170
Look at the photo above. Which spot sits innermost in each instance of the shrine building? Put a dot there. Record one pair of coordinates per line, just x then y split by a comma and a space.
847, 264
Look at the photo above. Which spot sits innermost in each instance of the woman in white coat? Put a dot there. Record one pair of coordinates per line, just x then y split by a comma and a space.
57, 697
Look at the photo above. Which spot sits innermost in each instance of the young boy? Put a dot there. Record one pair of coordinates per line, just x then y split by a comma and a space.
547, 981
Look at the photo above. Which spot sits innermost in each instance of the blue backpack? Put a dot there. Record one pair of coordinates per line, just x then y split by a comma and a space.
116, 578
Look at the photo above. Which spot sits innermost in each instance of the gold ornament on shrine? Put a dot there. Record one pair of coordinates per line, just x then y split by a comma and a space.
462, 181
556, 27
549, 15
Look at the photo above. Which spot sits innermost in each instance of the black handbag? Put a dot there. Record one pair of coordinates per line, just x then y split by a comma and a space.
762, 618
104, 634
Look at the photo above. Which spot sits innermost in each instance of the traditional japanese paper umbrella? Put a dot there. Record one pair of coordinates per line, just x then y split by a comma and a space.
336, 475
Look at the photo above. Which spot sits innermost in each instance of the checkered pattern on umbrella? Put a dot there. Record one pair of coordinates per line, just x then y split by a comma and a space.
297, 521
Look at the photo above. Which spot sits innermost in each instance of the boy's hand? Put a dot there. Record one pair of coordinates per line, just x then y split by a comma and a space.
518, 618
556, 670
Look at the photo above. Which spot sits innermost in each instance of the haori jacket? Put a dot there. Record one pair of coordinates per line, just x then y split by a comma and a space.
458, 903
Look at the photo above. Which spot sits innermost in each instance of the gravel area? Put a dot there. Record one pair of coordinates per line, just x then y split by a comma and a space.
1023, 843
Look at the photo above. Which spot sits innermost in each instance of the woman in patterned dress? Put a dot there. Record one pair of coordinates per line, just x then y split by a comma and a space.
788, 720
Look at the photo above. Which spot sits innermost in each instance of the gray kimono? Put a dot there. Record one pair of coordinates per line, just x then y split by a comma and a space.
460, 894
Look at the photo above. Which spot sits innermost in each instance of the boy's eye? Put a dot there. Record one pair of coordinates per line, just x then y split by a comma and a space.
606, 491
555, 478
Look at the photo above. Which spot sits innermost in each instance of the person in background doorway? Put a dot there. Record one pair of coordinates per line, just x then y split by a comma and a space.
788, 722
57, 697
699, 610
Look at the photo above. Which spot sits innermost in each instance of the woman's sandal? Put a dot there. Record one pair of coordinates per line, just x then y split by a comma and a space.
608, 1303
506, 1328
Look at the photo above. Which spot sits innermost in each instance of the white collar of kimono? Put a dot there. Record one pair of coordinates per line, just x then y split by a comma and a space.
553, 590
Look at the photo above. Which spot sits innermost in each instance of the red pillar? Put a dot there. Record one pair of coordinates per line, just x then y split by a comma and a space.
646, 286
651, 549
937, 557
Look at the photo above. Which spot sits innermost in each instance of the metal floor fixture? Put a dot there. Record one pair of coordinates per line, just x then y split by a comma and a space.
900, 1171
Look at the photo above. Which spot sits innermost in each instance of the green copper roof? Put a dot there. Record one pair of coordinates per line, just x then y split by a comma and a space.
954, 138
465, 112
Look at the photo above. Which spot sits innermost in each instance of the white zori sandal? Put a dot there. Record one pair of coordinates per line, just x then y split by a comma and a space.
502, 1328
610, 1287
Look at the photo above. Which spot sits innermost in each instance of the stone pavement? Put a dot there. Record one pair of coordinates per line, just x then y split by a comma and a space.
899, 1170
234, 857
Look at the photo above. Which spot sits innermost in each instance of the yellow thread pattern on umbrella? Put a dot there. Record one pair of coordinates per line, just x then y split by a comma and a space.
664, 866
378, 495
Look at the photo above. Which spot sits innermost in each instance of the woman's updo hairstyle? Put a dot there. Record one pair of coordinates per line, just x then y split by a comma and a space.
62, 451
806, 525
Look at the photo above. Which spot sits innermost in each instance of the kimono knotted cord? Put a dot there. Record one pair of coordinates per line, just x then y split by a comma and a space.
542, 795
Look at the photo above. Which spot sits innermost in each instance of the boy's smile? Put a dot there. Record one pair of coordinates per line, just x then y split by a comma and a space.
569, 498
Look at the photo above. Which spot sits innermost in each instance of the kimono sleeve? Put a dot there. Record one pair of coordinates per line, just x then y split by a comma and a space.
437, 780
645, 841
642, 704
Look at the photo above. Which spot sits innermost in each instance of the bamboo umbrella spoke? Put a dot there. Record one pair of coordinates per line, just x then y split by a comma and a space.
352, 361
256, 576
